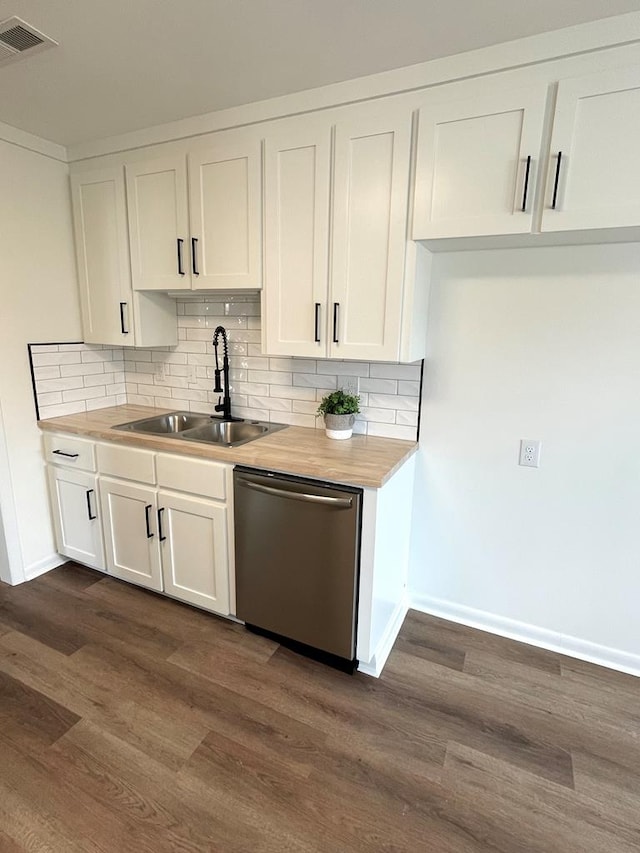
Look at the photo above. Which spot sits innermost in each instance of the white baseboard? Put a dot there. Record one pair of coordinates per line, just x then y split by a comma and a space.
43, 566
375, 666
525, 633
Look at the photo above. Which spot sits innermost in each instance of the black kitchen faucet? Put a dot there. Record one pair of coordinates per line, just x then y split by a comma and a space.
225, 405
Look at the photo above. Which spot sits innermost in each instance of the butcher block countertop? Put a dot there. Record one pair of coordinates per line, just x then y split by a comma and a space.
360, 461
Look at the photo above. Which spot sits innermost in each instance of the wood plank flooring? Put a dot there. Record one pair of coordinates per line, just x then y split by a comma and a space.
129, 722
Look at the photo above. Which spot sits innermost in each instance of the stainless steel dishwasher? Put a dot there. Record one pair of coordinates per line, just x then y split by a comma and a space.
297, 561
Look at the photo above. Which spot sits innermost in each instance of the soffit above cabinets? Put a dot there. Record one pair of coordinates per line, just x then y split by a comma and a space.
124, 66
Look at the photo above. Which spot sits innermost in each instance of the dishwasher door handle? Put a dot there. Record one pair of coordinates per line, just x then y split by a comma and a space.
341, 503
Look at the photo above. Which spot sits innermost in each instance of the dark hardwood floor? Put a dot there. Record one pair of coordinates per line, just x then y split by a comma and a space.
129, 722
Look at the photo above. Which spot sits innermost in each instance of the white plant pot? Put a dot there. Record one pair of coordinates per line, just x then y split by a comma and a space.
339, 427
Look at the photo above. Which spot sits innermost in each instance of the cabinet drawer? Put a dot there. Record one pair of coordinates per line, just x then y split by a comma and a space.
70, 450
130, 463
197, 476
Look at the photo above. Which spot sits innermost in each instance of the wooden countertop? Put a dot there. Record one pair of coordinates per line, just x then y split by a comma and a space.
361, 461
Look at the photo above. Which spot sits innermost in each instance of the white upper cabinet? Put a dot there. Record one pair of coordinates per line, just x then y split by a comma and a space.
297, 182
102, 254
369, 233
112, 313
594, 174
477, 163
337, 258
225, 197
198, 227
158, 223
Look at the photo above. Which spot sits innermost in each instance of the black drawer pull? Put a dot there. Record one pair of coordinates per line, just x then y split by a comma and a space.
194, 255
122, 328
161, 536
68, 455
526, 184
180, 269
556, 182
146, 518
89, 511
316, 333
336, 308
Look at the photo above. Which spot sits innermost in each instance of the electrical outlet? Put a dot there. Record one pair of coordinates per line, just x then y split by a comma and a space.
160, 371
350, 384
193, 376
530, 453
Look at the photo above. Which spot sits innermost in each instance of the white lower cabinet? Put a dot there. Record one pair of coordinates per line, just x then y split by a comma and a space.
129, 517
167, 528
195, 554
74, 503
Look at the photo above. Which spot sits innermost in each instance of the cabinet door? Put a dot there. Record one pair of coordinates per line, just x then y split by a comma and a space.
74, 502
195, 559
297, 184
371, 182
594, 169
159, 223
102, 249
225, 198
473, 172
130, 532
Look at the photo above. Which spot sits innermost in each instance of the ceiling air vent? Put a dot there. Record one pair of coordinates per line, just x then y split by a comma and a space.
19, 39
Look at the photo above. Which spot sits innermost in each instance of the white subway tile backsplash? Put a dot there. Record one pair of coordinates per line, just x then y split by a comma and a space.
344, 368
291, 392
82, 394
271, 377
300, 365
50, 399
276, 404
96, 355
80, 369
407, 433
305, 407
43, 359
389, 401
52, 372
407, 418
382, 416
379, 386
294, 419
65, 384
313, 380
383, 370
254, 388
61, 410
76, 377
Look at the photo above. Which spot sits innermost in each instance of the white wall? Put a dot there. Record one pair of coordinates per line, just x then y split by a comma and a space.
539, 344
38, 302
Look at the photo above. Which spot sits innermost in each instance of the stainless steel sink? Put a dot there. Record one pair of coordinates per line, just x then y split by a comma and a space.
174, 422
229, 433
190, 426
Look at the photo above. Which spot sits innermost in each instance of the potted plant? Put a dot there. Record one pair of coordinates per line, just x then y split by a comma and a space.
339, 410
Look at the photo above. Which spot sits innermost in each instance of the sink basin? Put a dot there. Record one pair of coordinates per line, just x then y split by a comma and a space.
230, 434
174, 422
192, 426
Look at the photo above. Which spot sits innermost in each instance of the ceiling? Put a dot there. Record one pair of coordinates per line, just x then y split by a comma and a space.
123, 65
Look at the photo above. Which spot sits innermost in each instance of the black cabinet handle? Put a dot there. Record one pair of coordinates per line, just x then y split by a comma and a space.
180, 241
526, 184
122, 328
336, 308
146, 518
68, 455
194, 255
555, 183
316, 332
89, 513
161, 536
